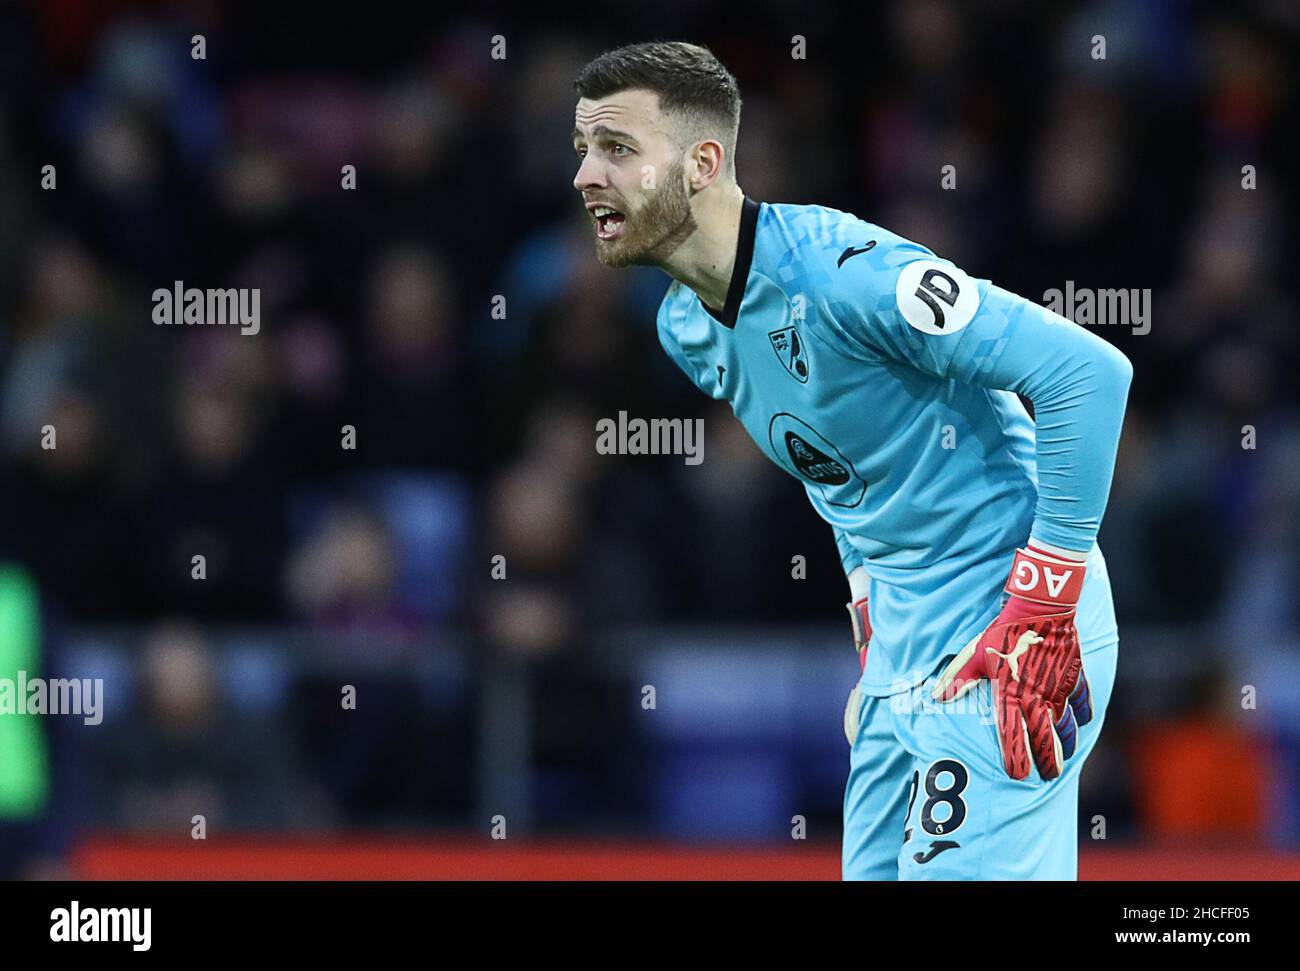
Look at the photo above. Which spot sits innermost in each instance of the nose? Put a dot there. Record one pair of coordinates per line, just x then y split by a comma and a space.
591, 174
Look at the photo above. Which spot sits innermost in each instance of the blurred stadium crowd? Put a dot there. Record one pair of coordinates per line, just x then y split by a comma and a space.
475, 435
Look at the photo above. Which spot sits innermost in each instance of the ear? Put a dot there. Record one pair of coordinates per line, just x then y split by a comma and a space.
707, 162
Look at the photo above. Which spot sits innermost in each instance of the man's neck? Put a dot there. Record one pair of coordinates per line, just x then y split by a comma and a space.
707, 259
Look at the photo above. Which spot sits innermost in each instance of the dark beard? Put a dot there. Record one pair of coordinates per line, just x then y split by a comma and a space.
664, 223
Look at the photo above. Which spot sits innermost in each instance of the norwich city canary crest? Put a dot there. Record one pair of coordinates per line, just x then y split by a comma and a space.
790, 352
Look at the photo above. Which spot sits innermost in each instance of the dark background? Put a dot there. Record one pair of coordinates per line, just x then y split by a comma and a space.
475, 436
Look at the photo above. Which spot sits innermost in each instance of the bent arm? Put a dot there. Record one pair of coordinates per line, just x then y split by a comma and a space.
1078, 384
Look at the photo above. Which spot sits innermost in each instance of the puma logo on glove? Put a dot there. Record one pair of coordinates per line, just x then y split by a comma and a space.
1030, 655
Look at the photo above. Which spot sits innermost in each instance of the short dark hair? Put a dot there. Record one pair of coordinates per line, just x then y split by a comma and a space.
688, 79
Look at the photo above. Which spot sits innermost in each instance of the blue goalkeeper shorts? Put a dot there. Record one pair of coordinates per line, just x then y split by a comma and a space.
927, 797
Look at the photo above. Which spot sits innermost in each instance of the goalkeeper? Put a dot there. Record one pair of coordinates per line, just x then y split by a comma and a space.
886, 380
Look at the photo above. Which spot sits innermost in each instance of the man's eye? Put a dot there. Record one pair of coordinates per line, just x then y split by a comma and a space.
620, 150
582, 152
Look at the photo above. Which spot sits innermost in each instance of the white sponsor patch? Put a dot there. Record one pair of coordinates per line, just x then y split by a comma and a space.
936, 298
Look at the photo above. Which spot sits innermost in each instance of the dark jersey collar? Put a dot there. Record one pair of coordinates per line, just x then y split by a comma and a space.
739, 274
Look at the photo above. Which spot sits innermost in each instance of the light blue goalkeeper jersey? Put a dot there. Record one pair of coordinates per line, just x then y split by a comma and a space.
885, 379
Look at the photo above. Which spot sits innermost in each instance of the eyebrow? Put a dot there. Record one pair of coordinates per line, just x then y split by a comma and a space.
604, 131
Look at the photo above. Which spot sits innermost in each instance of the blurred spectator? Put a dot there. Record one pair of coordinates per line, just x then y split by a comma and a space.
1203, 776
414, 401
344, 579
182, 751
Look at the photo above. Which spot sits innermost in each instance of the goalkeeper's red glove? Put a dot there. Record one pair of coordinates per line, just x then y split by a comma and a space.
1030, 654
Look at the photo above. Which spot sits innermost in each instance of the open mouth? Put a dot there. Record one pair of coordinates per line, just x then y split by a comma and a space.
609, 223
